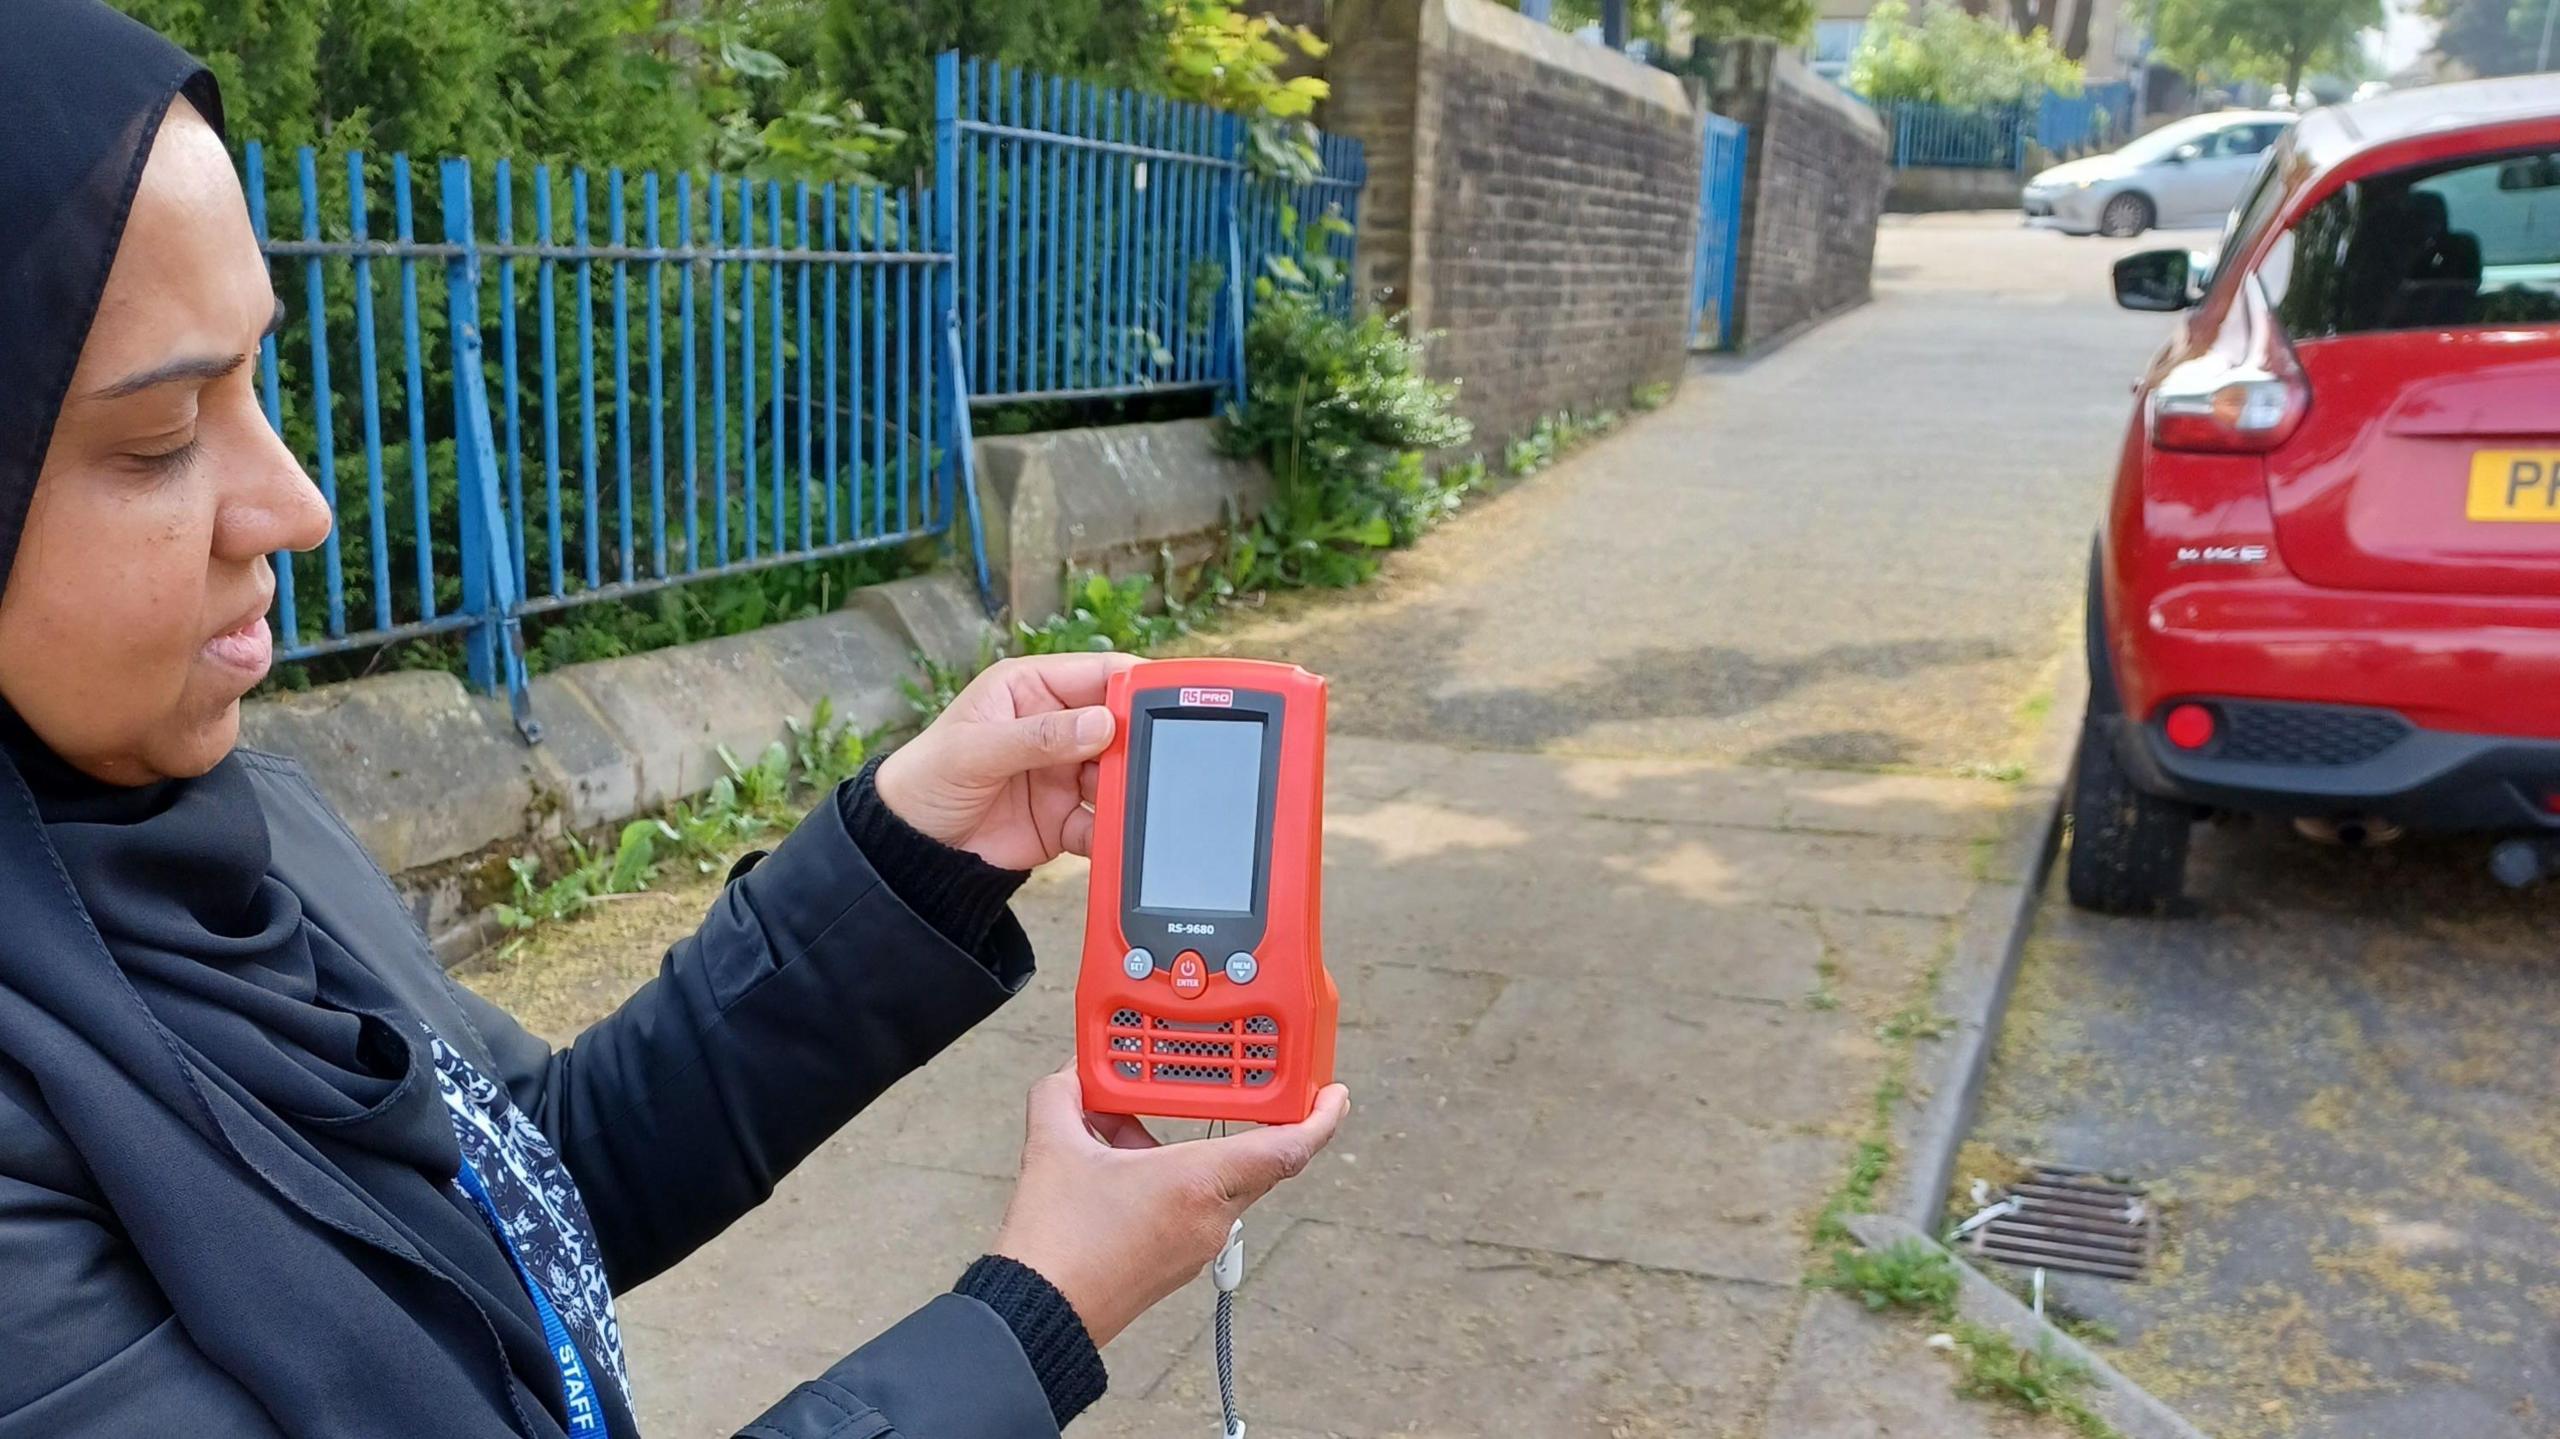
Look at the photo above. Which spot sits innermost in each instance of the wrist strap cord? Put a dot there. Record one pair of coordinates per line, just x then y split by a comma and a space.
1227, 1273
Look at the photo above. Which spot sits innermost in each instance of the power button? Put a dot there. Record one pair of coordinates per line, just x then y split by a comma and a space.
1190, 974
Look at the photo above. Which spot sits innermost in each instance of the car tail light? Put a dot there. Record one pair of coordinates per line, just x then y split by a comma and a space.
2246, 393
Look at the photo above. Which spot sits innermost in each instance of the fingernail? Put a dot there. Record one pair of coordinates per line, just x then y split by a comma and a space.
1093, 726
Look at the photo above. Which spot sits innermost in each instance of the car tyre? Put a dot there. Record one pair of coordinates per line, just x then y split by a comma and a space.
2126, 216
2128, 848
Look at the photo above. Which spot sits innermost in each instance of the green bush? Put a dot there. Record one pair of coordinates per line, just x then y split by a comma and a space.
1341, 411
1949, 57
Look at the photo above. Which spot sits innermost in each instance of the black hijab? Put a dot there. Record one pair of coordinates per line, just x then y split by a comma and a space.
261, 1118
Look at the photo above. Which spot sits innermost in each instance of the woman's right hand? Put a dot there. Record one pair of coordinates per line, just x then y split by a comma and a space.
1117, 1221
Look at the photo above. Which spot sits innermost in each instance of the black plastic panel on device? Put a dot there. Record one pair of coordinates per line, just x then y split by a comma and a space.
1214, 933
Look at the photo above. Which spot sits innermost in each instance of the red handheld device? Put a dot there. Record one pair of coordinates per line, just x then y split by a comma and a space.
1203, 993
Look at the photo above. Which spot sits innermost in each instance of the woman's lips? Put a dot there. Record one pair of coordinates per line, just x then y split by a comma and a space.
250, 649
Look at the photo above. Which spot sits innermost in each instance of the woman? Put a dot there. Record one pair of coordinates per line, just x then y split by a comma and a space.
263, 1170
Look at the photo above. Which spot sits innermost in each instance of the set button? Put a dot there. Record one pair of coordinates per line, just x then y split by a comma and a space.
1138, 963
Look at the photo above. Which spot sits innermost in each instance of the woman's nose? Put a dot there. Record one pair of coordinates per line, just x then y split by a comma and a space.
272, 504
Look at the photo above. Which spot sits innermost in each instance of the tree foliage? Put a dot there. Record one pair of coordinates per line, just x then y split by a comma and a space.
1948, 57
1217, 55
534, 78
882, 51
2277, 41
2490, 37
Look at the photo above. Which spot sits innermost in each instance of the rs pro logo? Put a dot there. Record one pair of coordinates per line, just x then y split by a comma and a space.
1214, 699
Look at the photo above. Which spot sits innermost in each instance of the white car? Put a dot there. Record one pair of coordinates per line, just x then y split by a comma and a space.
2182, 175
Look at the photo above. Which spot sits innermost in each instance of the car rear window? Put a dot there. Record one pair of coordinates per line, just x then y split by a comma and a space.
2440, 247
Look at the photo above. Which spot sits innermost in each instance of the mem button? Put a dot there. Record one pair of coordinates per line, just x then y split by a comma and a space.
1138, 964
1242, 967
1190, 975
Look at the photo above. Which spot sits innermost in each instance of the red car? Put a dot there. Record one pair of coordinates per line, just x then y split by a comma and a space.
2328, 588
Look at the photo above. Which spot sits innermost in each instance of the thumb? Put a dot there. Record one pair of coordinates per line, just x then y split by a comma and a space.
1055, 1111
998, 750
1248, 1165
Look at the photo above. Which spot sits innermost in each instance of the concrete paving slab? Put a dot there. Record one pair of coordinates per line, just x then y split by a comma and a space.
1698, 1192
778, 1278
1921, 806
1420, 1337
1543, 787
1358, 767
1672, 1056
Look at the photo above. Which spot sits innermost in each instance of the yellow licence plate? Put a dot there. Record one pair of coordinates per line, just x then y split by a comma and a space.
2515, 485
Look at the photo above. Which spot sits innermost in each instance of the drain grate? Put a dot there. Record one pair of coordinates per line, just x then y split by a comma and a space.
2076, 1221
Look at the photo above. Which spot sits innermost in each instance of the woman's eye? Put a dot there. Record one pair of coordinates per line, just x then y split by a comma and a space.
163, 462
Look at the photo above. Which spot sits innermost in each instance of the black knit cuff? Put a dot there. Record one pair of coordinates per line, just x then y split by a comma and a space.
1053, 1338
959, 894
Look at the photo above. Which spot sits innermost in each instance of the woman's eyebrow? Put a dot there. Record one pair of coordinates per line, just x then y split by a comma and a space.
194, 367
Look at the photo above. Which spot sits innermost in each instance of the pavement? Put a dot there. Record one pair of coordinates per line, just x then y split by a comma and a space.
1657, 784
2338, 1074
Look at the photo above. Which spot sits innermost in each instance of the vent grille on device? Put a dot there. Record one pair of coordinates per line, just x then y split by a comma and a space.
1180, 1051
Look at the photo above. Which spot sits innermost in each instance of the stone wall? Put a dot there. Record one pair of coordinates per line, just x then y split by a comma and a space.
1123, 500
1921, 190
1813, 187
1532, 202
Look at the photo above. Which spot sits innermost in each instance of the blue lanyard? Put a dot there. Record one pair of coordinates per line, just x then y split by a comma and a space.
586, 1414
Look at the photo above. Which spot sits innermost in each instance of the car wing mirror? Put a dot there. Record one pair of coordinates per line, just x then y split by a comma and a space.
2188, 151
2156, 280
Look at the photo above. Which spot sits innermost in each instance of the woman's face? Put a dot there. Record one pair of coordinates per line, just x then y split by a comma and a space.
135, 613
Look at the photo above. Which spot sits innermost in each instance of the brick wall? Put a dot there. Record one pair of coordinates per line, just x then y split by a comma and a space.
1532, 200
1813, 187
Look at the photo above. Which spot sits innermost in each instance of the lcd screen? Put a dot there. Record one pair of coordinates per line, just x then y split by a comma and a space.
1204, 811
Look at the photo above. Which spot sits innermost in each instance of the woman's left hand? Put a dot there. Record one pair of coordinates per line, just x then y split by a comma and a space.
1007, 771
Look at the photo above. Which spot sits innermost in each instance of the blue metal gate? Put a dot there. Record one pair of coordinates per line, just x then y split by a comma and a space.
1726, 144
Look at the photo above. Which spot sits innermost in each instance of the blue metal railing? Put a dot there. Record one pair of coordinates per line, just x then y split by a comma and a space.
1109, 239
2098, 118
1943, 136
1996, 137
703, 376
1724, 149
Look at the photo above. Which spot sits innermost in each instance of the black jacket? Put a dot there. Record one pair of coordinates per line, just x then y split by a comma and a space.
810, 988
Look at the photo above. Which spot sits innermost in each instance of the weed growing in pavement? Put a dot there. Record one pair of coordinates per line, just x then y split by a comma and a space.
937, 684
1531, 452
1651, 397
1913, 1022
1873, 1156
1908, 1275
1825, 970
2042, 1380
1107, 614
1553, 436
1921, 1279
1867, 1166
748, 801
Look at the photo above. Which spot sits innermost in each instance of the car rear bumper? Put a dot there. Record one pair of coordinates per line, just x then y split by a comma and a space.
2462, 664
2425, 779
